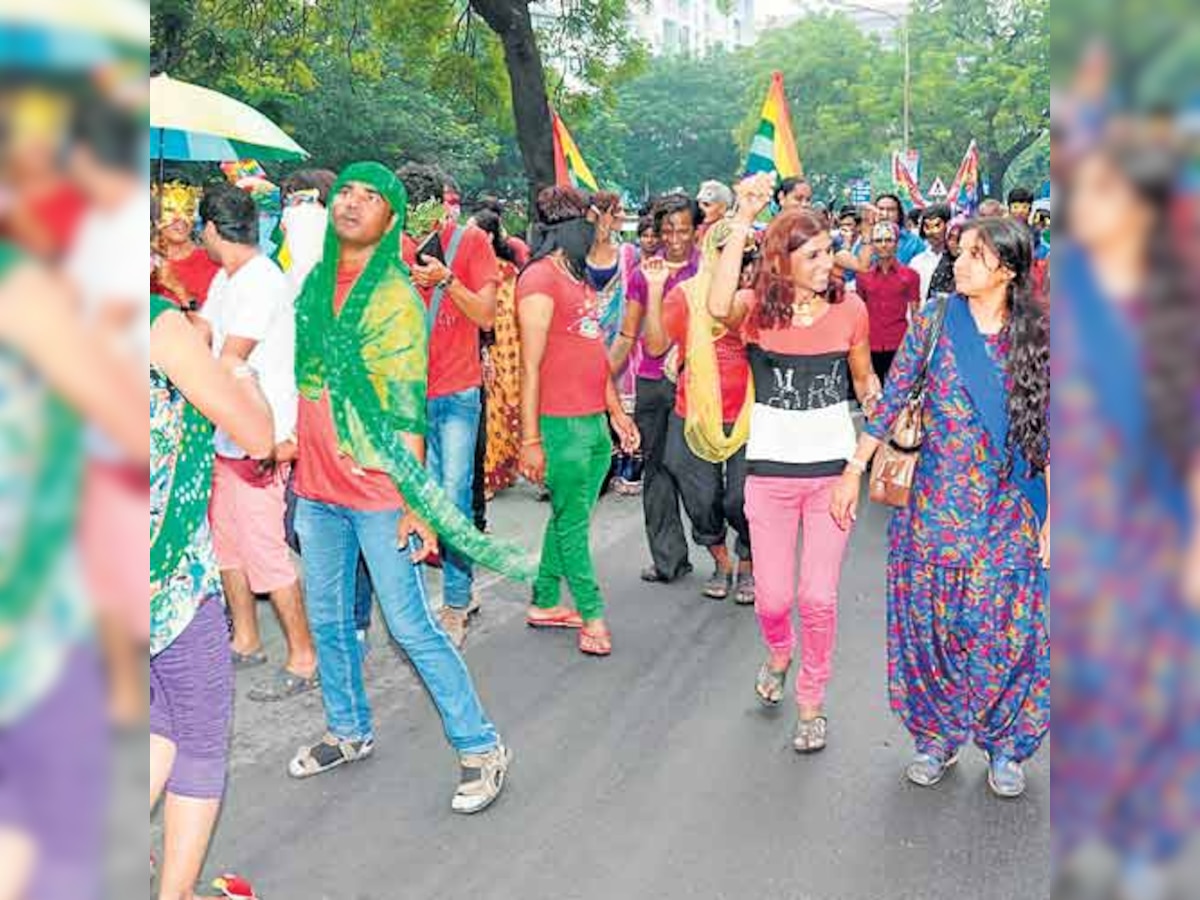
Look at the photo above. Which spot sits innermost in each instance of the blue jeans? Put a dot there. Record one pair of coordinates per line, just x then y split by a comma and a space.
450, 440
332, 537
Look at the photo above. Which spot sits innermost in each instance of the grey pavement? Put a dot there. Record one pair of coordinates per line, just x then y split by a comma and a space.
650, 774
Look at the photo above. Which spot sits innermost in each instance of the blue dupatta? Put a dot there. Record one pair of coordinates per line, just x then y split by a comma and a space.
1113, 365
983, 380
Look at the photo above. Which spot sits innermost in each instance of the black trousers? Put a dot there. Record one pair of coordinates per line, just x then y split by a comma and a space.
660, 492
714, 494
479, 487
881, 362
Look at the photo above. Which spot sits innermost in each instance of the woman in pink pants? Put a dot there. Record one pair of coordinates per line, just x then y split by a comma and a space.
808, 348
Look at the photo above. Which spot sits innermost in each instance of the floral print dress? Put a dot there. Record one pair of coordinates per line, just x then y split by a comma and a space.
968, 633
195, 578
1126, 765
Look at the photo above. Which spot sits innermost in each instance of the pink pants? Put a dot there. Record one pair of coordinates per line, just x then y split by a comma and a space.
776, 508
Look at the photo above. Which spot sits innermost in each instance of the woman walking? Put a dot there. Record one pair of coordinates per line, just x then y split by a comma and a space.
191, 671
968, 641
706, 440
502, 367
566, 389
808, 349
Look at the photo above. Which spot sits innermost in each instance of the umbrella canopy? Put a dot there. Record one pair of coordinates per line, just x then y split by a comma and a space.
193, 123
124, 21
69, 34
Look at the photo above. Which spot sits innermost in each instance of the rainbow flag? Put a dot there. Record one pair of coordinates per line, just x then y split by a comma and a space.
773, 148
902, 176
966, 190
237, 169
569, 168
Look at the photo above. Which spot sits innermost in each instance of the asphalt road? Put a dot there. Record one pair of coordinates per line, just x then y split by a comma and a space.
651, 774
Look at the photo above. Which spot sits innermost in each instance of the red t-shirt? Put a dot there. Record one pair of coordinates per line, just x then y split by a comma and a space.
574, 373
196, 271
454, 345
520, 250
889, 296
732, 367
322, 473
841, 327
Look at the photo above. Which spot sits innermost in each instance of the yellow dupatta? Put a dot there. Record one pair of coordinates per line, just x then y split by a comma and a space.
704, 427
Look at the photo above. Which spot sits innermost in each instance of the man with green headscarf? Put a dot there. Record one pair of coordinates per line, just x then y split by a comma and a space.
361, 360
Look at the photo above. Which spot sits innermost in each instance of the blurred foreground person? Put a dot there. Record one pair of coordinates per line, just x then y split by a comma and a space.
53, 731
1126, 696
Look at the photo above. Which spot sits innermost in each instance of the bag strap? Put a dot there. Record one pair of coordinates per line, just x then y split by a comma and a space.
931, 342
435, 303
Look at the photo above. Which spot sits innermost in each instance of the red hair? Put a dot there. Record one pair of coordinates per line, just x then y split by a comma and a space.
789, 232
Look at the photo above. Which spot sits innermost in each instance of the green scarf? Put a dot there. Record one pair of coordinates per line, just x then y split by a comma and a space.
372, 358
191, 479
28, 567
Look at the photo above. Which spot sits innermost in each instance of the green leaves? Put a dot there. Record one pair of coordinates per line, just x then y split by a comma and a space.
426, 80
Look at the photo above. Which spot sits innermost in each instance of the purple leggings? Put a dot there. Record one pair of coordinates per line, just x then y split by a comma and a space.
191, 703
53, 781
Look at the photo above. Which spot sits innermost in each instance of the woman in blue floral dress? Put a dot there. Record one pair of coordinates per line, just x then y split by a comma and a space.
968, 635
1127, 366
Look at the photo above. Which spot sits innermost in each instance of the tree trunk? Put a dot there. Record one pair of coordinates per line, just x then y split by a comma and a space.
511, 22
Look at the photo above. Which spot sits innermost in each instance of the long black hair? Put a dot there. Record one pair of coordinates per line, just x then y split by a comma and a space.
489, 221
1173, 357
1028, 333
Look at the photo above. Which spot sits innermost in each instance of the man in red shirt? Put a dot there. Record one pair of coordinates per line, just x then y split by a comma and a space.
892, 292
344, 505
460, 293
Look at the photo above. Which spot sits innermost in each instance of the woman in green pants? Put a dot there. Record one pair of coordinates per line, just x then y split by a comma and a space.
566, 388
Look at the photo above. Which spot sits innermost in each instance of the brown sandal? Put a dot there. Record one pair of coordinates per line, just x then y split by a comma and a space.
595, 644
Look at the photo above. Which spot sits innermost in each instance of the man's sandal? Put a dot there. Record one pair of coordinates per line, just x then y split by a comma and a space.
328, 753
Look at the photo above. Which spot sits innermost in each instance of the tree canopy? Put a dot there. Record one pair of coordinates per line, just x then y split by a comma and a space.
464, 83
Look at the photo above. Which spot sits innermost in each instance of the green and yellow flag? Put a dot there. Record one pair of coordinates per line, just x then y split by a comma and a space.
569, 168
773, 148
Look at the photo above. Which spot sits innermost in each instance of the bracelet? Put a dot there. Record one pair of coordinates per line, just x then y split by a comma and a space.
243, 371
857, 466
531, 442
626, 334
446, 282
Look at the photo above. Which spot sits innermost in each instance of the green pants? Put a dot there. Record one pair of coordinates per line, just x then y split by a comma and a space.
578, 456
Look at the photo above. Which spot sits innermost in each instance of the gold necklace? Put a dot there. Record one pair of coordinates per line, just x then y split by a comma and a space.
803, 313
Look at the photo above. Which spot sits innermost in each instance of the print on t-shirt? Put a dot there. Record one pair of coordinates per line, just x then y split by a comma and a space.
588, 324
801, 425
800, 383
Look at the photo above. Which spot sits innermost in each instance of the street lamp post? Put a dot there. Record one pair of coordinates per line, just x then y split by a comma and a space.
902, 23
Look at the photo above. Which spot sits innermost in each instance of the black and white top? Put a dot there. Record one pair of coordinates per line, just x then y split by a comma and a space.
801, 425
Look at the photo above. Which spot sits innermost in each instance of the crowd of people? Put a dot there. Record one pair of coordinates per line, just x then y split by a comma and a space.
370, 399
354, 401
